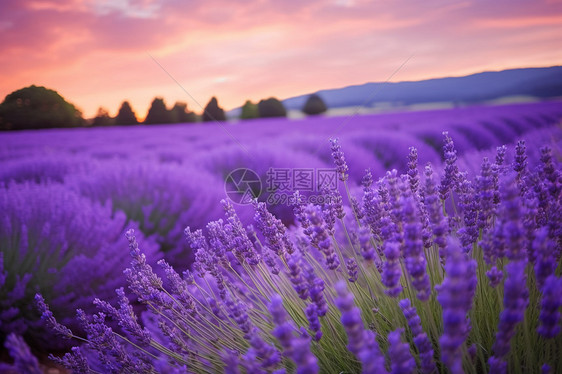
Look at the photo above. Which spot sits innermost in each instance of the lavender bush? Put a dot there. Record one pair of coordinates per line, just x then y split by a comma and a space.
163, 199
53, 242
424, 273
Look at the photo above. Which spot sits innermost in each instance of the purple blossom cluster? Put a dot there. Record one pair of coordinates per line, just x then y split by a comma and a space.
383, 282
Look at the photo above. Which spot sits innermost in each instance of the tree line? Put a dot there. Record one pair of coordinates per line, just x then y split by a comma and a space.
37, 107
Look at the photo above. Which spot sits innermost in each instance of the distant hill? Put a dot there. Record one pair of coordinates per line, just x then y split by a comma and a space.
538, 83
480, 87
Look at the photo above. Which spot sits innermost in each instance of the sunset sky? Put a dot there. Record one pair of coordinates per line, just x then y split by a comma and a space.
101, 52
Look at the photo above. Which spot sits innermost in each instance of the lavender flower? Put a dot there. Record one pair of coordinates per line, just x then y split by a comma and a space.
74, 360
339, 160
316, 287
455, 295
544, 253
351, 266
512, 217
520, 160
297, 348
365, 246
319, 235
420, 338
495, 276
401, 360
434, 211
449, 180
515, 301
272, 229
361, 343
468, 203
413, 250
485, 182
391, 270
311, 312
24, 361
296, 276
125, 316
413, 175
242, 247
550, 305
357, 209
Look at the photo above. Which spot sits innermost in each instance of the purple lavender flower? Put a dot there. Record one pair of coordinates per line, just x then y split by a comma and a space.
112, 353
299, 211
267, 224
434, 211
413, 175
268, 355
242, 246
311, 312
401, 360
126, 317
73, 360
515, 301
455, 295
296, 275
48, 317
550, 306
448, 182
497, 169
319, 235
339, 160
544, 254
468, 203
306, 362
351, 266
24, 361
270, 260
360, 342
237, 311
365, 245
421, 340
495, 276
297, 348
413, 249
485, 183
316, 287
391, 270
357, 209
512, 216
520, 160
231, 362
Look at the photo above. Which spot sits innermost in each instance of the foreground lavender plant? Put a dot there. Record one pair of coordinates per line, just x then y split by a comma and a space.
308, 299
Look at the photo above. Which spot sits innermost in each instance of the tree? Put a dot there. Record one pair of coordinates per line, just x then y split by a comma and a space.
37, 107
271, 107
126, 115
103, 118
180, 114
158, 113
249, 110
314, 105
213, 112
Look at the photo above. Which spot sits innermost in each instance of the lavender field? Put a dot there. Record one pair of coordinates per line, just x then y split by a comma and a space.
433, 245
